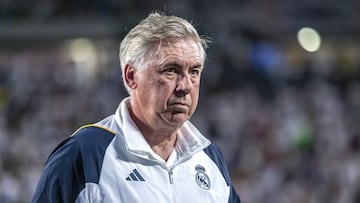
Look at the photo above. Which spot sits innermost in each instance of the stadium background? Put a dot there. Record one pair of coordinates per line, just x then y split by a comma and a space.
286, 119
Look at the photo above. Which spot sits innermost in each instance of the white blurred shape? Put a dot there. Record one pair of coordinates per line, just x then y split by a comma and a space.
309, 39
82, 50
84, 54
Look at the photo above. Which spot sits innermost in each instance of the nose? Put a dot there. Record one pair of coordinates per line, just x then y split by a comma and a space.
184, 85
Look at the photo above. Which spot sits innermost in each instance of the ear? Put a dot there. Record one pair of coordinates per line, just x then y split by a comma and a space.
129, 76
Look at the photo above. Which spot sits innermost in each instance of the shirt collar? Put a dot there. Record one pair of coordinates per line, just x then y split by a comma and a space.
189, 140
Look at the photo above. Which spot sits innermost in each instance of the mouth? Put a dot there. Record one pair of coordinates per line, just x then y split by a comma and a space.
180, 104
179, 108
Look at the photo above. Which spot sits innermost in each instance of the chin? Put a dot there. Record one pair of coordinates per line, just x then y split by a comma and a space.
175, 120
175, 124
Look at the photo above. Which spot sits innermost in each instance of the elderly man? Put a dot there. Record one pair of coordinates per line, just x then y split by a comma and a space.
148, 151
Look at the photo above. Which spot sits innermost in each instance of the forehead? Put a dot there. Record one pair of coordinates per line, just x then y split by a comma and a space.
184, 49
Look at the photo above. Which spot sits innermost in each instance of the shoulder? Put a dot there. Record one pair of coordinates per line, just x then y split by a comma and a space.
216, 156
74, 163
93, 135
214, 153
85, 149
85, 138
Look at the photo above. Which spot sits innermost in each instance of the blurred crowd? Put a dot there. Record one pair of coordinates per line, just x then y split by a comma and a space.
287, 121
289, 136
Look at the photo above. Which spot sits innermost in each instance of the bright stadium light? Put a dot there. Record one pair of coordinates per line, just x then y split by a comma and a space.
82, 50
309, 39
84, 55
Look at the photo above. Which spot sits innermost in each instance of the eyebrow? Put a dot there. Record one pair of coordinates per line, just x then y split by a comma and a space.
197, 66
179, 64
172, 63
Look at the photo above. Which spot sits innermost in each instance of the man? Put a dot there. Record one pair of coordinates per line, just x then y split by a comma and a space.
148, 151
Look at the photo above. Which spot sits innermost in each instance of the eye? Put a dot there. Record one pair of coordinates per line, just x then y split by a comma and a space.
195, 72
170, 70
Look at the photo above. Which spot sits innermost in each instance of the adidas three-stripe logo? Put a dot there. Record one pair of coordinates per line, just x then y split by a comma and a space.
134, 176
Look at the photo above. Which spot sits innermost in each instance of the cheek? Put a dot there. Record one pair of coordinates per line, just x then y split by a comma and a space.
165, 87
155, 94
161, 83
194, 98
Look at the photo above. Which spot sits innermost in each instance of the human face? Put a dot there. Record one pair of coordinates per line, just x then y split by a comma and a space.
165, 94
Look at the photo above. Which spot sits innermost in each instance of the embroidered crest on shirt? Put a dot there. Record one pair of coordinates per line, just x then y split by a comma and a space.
202, 179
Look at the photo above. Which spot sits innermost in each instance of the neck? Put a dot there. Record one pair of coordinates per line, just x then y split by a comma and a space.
161, 145
162, 142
